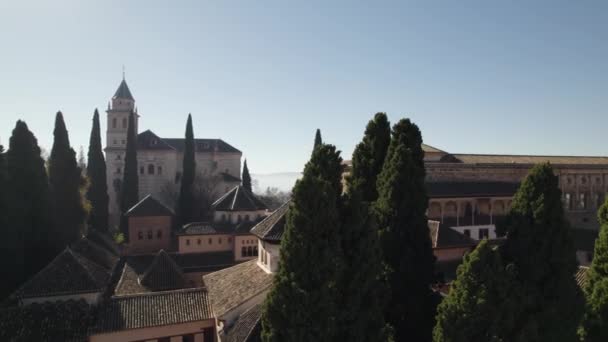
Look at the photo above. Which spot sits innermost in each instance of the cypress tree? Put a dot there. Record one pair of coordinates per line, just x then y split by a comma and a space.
246, 178
369, 156
476, 308
186, 193
28, 211
540, 250
97, 193
69, 211
406, 246
130, 183
318, 139
5, 258
595, 321
302, 305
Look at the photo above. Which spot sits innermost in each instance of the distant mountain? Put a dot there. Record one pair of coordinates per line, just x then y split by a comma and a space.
284, 181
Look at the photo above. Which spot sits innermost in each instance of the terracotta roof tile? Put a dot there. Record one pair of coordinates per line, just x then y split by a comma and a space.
239, 199
247, 328
272, 227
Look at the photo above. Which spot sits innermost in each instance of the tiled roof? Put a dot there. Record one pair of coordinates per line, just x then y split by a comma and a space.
239, 199
136, 266
247, 327
69, 272
202, 145
470, 189
206, 228
528, 159
231, 287
149, 206
204, 262
581, 276
104, 240
163, 274
147, 140
272, 227
443, 236
123, 91
154, 309
95, 253
431, 149
49, 321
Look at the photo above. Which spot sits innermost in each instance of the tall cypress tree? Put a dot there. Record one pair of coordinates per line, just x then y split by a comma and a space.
186, 193
318, 139
246, 178
477, 307
406, 245
69, 211
28, 211
595, 321
302, 305
539, 247
130, 182
97, 193
369, 156
6, 259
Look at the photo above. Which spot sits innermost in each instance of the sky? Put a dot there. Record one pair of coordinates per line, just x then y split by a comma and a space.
518, 77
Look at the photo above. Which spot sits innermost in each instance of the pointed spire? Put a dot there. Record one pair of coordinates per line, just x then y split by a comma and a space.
123, 92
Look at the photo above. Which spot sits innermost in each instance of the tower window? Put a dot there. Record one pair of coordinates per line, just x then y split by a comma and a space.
159, 170
150, 169
117, 170
150, 235
114, 123
124, 123
141, 170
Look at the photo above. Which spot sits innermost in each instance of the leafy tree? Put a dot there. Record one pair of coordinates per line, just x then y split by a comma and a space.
477, 307
318, 139
539, 248
407, 254
97, 193
186, 193
369, 156
246, 178
129, 189
302, 305
28, 211
69, 207
595, 321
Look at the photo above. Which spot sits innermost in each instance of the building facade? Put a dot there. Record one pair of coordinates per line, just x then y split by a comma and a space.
160, 159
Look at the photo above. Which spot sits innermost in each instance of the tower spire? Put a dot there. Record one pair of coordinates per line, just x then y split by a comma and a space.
123, 72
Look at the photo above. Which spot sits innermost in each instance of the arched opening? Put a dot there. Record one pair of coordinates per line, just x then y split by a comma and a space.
249, 251
150, 169
124, 123
243, 251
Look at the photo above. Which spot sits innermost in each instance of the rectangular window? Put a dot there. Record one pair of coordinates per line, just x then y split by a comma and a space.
150, 235
582, 201
159, 234
210, 241
187, 242
219, 240
483, 233
198, 241
140, 235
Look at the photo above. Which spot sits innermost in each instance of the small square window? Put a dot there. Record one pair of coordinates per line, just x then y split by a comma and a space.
198, 241
187, 242
210, 241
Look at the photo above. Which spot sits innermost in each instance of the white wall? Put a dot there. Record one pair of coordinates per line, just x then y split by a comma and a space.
475, 230
219, 242
268, 256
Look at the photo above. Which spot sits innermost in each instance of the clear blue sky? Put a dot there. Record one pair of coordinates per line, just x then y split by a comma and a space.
483, 77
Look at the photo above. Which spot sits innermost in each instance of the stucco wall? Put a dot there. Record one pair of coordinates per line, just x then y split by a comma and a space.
269, 256
146, 225
245, 241
218, 243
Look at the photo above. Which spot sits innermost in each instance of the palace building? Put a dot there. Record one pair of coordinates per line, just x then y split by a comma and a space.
160, 159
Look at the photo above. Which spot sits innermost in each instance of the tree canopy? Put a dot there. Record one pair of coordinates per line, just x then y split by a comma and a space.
186, 193
97, 193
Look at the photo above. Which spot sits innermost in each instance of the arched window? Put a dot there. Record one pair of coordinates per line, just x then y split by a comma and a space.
249, 251
159, 234
246, 218
243, 251
238, 219
150, 169
198, 241
255, 250
140, 235
124, 122
114, 123
150, 235
223, 217
210, 241
187, 242
159, 170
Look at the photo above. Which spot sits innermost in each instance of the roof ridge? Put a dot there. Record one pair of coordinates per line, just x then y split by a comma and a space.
527, 155
201, 289
236, 195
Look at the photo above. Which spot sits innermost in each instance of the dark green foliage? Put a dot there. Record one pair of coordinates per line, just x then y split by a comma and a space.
5, 260
477, 307
595, 321
246, 177
97, 194
361, 294
318, 139
369, 156
186, 192
69, 208
326, 163
28, 211
407, 254
302, 305
539, 248
129, 190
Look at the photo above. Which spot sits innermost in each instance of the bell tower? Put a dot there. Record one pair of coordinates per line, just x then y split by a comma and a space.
119, 109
